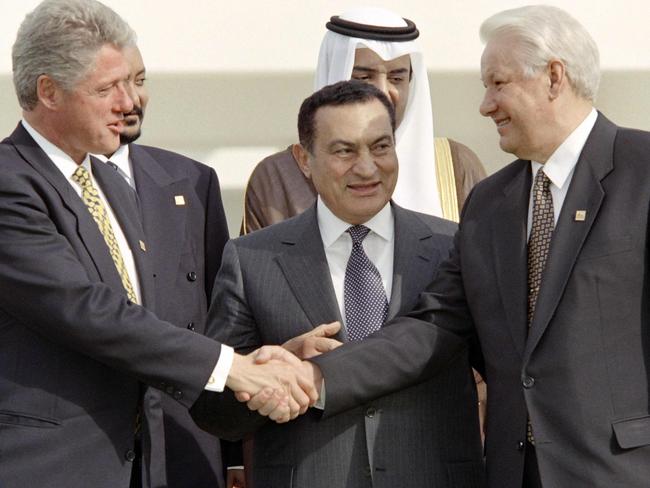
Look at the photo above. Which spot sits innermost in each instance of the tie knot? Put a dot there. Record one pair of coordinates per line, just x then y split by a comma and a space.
82, 177
542, 181
358, 233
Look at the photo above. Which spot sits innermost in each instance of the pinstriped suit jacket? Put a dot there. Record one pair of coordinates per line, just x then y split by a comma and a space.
275, 284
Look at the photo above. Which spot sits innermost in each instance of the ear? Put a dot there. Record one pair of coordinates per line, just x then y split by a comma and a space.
557, 77
301, 155
48, 92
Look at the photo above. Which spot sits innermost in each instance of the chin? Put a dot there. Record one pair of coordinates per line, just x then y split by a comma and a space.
130, 136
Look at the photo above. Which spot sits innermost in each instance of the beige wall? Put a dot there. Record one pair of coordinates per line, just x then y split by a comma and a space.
231, 120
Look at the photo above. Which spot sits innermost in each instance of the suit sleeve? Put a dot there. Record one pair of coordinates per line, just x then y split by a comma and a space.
47, 289
408, 349
231, 322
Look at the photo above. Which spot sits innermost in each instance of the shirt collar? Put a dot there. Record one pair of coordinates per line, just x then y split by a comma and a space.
120, 158
560, 165
331, 227
61, 160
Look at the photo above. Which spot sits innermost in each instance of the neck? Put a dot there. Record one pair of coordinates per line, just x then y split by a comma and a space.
48, 129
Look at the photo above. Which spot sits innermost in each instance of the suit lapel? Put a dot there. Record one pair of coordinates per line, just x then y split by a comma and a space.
164, 219
87, 229
305, 268
117, 191
413, 250
585, 193
509, 243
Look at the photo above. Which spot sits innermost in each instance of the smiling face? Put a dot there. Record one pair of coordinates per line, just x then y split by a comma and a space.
352, 164
90, 117
520, 106
391, 77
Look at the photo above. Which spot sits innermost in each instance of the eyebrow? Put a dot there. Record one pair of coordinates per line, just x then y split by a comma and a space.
365, 69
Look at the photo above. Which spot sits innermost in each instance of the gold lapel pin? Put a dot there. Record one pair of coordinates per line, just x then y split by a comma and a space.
142, 246
581, 215
179, 200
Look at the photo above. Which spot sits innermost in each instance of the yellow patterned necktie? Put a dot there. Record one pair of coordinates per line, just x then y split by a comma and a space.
96, 208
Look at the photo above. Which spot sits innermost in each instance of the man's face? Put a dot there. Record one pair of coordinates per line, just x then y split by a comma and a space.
519, 106
352, 164
90, 117
139, 95
392, 77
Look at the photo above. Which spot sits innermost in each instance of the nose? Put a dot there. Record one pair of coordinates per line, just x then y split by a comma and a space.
132, 92
488, 105
365, 165
387, 88
123, 98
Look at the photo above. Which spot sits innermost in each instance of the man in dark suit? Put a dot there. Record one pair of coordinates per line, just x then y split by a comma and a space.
284, 280
75, 345
549, 275
187, 242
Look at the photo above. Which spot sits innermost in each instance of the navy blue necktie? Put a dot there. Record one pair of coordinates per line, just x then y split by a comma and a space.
366, 307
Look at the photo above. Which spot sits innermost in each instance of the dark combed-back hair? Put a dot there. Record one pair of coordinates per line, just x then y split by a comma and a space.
341, 93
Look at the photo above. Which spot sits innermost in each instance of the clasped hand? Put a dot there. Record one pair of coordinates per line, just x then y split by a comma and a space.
275, 381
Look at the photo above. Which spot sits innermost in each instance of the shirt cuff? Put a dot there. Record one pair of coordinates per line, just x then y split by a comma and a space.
320, 403
217, 380
235, 467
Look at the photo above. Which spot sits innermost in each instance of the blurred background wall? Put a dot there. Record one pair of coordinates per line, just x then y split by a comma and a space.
226, 78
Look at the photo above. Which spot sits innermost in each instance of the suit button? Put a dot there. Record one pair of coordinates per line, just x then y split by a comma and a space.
129, 302
190, 326
191, 276
520, 445
178, 394
528, 382
170, 390
370, 412
129, 455
367, 471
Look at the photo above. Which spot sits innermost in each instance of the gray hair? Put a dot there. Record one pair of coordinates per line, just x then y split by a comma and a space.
544, 33
60, 38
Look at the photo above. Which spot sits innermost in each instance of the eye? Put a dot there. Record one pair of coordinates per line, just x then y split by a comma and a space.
140, 81
396, 80
361, 77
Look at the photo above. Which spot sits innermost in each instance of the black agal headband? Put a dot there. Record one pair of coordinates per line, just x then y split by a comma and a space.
373, 32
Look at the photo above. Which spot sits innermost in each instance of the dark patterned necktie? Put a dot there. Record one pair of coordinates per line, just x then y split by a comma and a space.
540, 238
538, 246
366, 307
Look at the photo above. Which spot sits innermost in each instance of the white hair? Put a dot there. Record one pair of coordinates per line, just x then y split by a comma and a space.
544, 33
60, 38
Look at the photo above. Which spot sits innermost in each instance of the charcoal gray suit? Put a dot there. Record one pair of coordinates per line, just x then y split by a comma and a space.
185, 241
74, 352
581, 373
275, 284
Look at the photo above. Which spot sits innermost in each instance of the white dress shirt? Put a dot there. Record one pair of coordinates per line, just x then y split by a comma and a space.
67, 166
120, 158
379, 246
560, 166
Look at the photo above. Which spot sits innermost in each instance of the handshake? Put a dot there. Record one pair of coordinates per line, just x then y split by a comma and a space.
276, 381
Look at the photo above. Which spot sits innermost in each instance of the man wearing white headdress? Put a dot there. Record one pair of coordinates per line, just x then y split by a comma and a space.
380, 47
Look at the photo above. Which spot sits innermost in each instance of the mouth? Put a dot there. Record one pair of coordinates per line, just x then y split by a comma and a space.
364, 189
501, 123
117, 127
134, 117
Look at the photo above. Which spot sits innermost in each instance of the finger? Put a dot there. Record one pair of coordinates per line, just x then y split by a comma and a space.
303, 392
242, 396
257, 401
267, 353
318, 346
277, 401
325, 330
